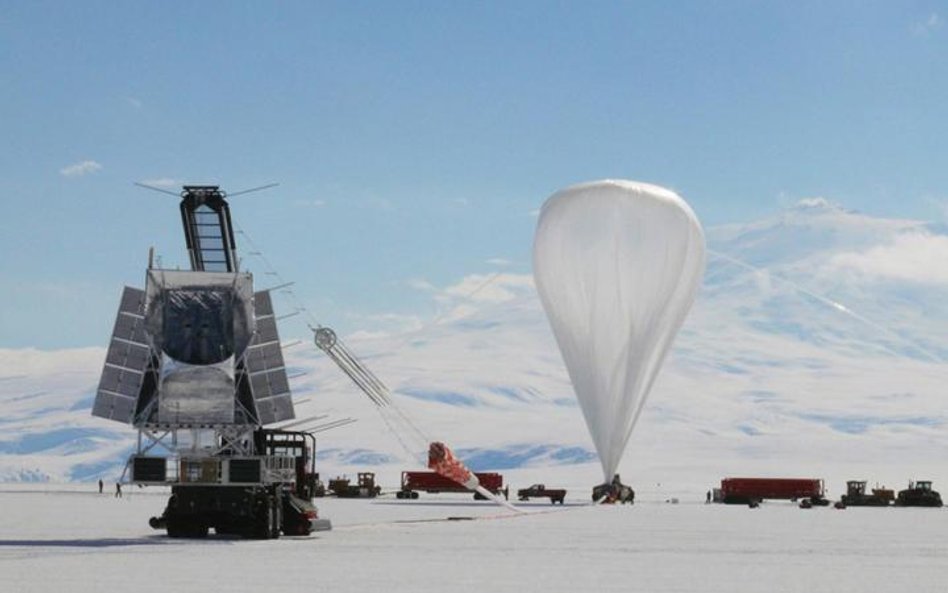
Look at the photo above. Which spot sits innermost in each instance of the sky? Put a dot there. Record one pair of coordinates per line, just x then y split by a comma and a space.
415, 141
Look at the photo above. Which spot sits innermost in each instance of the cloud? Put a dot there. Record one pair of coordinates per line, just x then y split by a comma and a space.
817, 202
913, 257
928, 26
160, 182
499, 261
495, 287
422, 284
489, 288
80, 169
474, 291
136, 103
939, 204
384, 324
313, 203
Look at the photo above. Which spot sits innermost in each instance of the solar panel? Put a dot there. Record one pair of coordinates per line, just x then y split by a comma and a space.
265, 368
125, 361
275, 409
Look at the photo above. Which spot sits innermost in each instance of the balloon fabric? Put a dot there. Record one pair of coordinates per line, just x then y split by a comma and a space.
617, 265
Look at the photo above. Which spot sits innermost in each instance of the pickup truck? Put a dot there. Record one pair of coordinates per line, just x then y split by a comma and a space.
556, 495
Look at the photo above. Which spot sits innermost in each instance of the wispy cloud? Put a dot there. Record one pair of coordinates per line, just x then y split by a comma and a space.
384, 324
80, 169
160, 182
816, 202
489, 288
134, 102
928, 25
913, 257
940, 205
422, 284
311, 203
499, 261
466, 296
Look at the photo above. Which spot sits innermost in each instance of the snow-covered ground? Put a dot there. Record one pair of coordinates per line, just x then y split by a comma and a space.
56, 538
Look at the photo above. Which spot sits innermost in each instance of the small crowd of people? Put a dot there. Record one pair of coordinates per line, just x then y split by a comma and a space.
118, 488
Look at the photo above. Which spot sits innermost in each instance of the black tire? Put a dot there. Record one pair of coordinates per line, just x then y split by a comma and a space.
182, 528
174, 529
261, 525
277, 518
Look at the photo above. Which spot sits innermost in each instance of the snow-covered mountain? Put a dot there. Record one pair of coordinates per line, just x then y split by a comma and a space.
816, 347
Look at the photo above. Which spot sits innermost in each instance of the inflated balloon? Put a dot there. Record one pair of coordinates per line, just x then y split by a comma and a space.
617, 265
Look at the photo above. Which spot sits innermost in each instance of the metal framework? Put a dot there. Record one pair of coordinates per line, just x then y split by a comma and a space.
207, 229
190, 346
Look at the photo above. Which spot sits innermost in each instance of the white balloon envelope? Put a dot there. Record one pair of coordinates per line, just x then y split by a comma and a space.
617, 265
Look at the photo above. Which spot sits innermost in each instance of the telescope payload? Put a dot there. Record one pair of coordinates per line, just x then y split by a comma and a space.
195, 364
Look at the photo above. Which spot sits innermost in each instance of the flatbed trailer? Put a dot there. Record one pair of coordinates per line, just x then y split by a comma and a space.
755, 490
414, 482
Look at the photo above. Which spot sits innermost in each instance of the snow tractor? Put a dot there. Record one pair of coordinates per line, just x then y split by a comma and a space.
856, 495
918, 494
364, 488
195, 364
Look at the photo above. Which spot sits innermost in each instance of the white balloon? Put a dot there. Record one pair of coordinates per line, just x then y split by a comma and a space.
617, 265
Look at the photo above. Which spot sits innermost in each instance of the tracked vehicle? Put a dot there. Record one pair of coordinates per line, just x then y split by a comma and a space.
856, 495
195, 364
365, 487
918, 494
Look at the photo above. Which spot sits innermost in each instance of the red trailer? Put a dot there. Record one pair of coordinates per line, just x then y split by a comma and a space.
753, 490
415, 482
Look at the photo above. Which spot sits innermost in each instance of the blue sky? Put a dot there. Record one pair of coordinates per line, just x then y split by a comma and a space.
413, 141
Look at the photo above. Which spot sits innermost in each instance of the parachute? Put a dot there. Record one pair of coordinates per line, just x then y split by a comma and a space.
442, 460
617, 265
